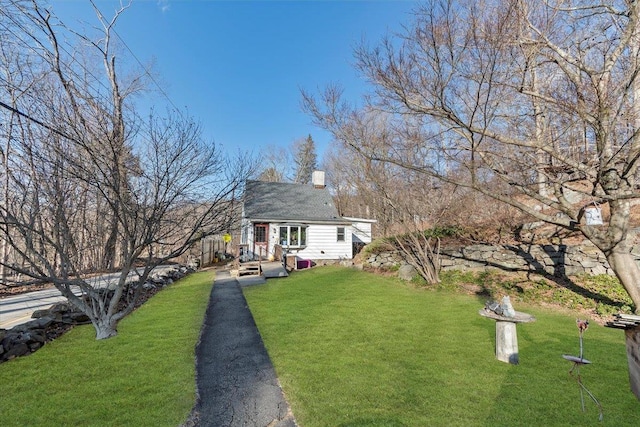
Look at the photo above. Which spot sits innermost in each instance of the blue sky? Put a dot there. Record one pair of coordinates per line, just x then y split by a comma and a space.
238, 66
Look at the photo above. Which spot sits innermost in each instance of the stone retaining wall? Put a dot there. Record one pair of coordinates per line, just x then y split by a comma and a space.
550, 259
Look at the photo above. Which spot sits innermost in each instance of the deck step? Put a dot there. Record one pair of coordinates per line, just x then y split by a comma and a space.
246, 270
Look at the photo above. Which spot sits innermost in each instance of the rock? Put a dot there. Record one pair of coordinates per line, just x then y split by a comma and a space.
37, 336
588, 263
494, 307
34, 346
157, 279
40, 313
18, 350
407, 272
599, 269
532, 225
76, 318
55, 312
507, 308
148, 285
39, 323
60, 307
56, 316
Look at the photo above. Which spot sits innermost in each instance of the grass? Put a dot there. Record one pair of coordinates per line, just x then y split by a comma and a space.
355, 349
145, 376
601, 295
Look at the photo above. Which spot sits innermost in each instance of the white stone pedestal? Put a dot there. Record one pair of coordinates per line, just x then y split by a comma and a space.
506, 335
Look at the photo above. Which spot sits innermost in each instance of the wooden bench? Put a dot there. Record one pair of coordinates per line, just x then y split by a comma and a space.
631, 325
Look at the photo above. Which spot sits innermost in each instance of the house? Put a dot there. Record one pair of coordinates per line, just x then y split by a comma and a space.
284, 218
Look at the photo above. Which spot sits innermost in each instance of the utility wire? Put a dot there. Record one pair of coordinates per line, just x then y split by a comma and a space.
43, 56
75, 73
38, 122
146, 71
44, 53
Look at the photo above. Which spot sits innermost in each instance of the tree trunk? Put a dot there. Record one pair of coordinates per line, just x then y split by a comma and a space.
628, 272
108, 260
105, 328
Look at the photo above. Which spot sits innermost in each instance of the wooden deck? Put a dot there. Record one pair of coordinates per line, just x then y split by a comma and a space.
255, 268
273, 269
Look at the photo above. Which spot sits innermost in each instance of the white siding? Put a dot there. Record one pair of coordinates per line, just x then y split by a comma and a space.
246, 232
322, 243
362, 232
274, 231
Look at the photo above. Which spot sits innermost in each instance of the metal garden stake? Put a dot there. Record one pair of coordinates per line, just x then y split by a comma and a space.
579, 361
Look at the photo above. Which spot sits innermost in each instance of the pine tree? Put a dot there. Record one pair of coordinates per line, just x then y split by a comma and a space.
306, 160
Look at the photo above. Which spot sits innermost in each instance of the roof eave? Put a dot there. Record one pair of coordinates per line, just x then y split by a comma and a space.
333, 221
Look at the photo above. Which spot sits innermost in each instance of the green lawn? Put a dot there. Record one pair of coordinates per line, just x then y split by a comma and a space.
142, 377
355, 349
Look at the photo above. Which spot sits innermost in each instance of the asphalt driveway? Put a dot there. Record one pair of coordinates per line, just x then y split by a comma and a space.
236, 382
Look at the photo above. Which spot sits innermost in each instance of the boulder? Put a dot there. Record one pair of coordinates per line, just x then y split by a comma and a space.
75, 318
18, 350
599, 269
36, 336
40, 323
33, 346
60, 307
148, 285
407, 272
45, 313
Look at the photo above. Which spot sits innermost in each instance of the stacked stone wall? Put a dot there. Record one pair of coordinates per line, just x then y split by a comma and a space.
548, 259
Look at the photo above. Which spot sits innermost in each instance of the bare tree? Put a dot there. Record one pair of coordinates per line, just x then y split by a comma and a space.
276, 163
533, 105
89, 185
404, 204
13, 75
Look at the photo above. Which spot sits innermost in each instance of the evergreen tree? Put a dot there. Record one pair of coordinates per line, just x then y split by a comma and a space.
306, 160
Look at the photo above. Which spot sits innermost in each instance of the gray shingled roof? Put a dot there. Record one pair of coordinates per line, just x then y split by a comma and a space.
281, 201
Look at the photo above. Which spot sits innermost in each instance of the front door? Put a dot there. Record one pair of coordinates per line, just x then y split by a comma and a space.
261, 240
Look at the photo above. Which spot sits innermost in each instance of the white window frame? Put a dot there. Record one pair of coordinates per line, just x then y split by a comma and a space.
286, 242
344, 234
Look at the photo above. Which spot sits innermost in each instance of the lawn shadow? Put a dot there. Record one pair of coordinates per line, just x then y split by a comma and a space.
555, 273
545, 382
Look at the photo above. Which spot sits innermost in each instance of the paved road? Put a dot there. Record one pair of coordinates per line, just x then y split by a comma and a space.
18, 309
237, 385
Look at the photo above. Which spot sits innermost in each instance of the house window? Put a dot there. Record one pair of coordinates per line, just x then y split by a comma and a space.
260, 233
340, 234
293, 236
